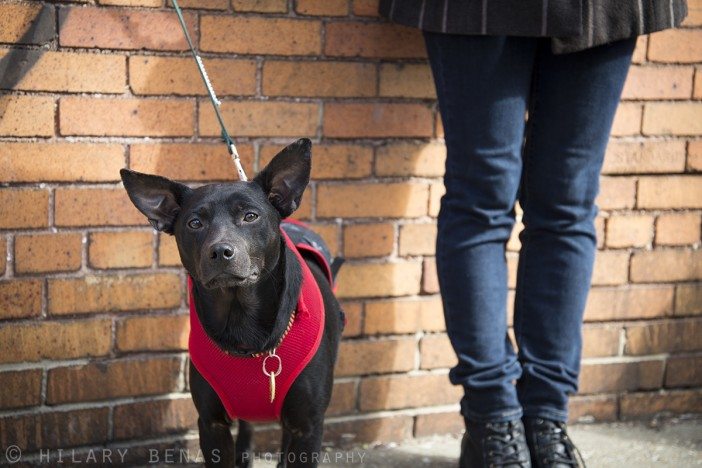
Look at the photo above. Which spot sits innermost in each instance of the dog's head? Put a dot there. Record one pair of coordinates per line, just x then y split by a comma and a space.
227, 234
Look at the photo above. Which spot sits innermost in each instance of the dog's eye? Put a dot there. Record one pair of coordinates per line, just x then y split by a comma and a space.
194, 224
249, 217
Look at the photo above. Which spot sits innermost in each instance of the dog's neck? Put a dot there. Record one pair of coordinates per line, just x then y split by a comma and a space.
251, 319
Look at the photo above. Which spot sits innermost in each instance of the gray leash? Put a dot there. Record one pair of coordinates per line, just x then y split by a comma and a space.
213, 97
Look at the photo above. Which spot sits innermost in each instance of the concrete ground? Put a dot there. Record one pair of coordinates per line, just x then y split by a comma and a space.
669, 443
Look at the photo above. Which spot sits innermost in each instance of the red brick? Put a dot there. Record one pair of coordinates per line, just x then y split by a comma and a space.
383, 393
189, 161
331, 161
417, 239
694, 13
149, 418
117, 28
625, 157
95, 207
391, 200
430, 281
436, 191
26, 116
20, 389
628, 303
436, 351
438, 423
263, 6
168, 251
365, 7
41, 70
589, 408
379, 279
368, 240
407, 80
601, 340
319, 79
113, 293
126, 117
694, 155
638, 405
629, 231
406, 159
682, 118
24, 208
54, 340
353, 312
144, 3
111, 380
43, 253
120, 249
640, 50
611, 268
202, 4
688, 299
675, 45
392, 317
58, 430
253, 119
678, 229
664, 337
683, 371
431, 314
621, 376
180, 76
373, 357
252, 35
616, 193
343, 399
355, 120
373, 40
658, 83
20, 298
666, 266
3, 255
61, 162
326, 8
627, 120
26, 23
153, 333
670, 192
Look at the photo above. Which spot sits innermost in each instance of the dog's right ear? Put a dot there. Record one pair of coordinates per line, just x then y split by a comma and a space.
158, 198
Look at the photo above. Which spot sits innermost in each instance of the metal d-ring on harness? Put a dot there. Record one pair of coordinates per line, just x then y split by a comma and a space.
213, 97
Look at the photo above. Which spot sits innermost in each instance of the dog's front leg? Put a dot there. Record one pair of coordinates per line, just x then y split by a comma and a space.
216, 440
304, 449
216, 443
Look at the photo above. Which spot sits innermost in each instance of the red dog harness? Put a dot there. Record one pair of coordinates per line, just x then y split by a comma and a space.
243, 383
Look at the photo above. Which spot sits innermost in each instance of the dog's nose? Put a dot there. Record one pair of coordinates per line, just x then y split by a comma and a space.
221, 251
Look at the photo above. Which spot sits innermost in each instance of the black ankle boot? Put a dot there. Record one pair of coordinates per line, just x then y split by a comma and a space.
550, 446
488, 445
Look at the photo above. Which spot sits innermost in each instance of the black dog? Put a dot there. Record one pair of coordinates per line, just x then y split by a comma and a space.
245, 283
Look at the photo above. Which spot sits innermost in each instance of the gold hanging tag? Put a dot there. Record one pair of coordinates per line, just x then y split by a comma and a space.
272, 374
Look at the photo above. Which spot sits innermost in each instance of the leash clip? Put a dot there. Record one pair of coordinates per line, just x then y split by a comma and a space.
272, 374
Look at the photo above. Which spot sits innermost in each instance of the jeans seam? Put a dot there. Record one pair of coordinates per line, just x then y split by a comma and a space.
521, 271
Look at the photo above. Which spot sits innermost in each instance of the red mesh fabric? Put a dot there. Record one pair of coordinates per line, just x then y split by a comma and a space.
240, 381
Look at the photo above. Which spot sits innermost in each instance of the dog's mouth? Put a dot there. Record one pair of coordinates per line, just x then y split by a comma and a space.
230, 280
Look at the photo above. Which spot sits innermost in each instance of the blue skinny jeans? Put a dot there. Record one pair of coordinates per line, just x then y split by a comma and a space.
550, 163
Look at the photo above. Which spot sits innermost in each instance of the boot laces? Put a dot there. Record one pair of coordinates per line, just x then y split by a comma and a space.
553, 437
503, 443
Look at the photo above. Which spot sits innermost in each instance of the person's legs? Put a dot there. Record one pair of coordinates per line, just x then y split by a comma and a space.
572, 105
482, 84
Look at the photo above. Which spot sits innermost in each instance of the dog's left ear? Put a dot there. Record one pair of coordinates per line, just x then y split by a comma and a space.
284, 179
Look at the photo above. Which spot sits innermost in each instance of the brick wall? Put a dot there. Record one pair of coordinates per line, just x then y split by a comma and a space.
93, 318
